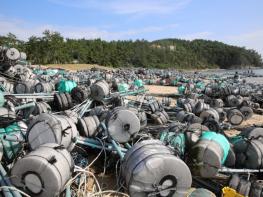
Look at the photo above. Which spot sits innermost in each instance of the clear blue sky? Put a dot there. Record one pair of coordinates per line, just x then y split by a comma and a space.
238, 22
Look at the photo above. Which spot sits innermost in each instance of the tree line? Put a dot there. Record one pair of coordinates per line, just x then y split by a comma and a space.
52, 48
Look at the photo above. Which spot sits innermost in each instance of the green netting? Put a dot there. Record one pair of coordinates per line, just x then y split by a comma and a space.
174, 82
181, 89
138, 83
66, 86
200, 85
11, 149
123, 87
51, 72
218, 138
176, 140
38, 72
61, 72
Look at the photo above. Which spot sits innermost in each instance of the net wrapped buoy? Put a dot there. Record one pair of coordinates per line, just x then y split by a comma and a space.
210, 113
43, 172
62, 101
150, 167
12, 54
41, 107
247, 112
88, 126
23, 87
256, 188
209, 154
48, 128
122, 124
142, 117
80, 94
235, 117
200, 106
249, 153
200, 192
193, 133
44, 87
99, 90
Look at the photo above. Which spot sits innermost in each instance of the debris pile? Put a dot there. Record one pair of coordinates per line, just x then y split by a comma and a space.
65, 133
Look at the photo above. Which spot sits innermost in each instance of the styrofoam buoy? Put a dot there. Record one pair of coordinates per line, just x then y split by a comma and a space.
88, 126
79, 94
44, 87
99, 90
41, 107
249, 154
235, 117
12, 54
48, 128
43, 172
122, 124
210, 113
150, 167
247, 112
209, 154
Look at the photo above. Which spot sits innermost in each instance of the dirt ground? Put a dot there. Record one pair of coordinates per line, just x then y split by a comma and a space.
75, 67
156, 89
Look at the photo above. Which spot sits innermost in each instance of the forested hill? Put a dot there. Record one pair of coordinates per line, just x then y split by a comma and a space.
52, 48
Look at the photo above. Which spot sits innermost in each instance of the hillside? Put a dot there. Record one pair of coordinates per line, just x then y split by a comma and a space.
52, 48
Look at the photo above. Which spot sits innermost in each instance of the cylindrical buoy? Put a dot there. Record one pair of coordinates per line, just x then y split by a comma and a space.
88, 126
235, 117
43, 172
139, 169
249, 153
209, 154
48, 128
41, 107
44, 87
99, 90
122, 124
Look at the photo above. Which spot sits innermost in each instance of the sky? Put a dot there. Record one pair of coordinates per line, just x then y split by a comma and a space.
236, 22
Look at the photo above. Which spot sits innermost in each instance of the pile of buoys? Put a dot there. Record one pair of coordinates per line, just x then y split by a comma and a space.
55, 119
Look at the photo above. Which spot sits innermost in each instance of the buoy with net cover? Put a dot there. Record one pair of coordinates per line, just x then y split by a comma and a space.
48, 128
43, 172
122, 124
150, 168
208, 154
